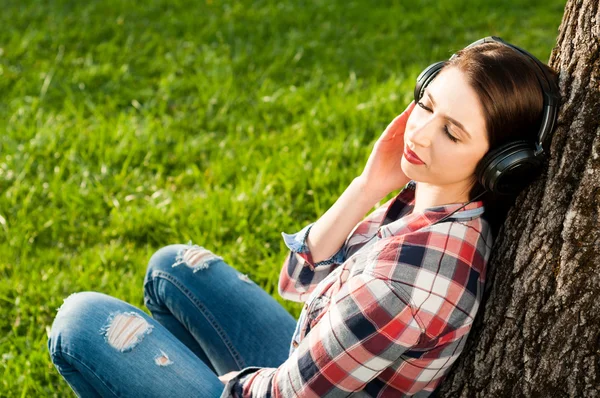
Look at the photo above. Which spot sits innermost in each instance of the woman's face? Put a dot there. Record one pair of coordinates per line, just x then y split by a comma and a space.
449, 103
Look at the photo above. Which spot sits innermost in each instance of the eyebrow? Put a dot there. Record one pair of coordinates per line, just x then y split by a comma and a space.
454, 121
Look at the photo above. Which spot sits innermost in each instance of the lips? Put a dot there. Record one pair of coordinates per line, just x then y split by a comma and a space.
412, 157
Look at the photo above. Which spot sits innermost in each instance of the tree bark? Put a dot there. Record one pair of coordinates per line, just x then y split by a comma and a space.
537, 333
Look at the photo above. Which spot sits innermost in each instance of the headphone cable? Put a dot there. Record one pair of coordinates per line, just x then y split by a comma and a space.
472, 200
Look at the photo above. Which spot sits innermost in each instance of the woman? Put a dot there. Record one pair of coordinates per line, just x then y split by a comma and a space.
390, 300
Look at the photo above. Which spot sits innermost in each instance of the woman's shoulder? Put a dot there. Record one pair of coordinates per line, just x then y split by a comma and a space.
471, 231
456, 244
476, 231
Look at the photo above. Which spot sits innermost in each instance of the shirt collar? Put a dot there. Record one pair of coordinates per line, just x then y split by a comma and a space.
404, 203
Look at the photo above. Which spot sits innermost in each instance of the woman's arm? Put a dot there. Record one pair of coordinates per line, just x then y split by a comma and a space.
318, 248
299, 274
382, 175
330, 231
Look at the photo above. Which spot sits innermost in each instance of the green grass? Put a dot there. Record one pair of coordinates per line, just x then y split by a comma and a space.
128, 126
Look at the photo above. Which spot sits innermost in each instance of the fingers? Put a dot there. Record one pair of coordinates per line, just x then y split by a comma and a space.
403, 117
397, 126
399, 123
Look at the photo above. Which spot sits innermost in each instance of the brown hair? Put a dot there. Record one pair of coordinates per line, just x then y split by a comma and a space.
506, 83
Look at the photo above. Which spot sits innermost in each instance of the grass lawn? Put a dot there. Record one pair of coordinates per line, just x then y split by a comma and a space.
128, 126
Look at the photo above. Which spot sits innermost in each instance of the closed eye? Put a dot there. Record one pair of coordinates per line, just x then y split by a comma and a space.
453, 138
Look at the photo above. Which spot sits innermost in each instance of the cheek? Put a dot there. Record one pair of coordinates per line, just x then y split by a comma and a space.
456, 161
468, 163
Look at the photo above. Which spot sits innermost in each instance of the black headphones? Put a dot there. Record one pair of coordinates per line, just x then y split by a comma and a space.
509, 168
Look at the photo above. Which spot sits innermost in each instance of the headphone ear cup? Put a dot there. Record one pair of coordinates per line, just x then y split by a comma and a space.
426, 77
509, 168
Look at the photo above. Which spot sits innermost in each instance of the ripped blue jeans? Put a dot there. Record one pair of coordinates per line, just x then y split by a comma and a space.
208, 319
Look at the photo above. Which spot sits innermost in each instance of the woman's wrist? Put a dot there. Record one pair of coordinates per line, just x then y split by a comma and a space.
374, 194
368, 193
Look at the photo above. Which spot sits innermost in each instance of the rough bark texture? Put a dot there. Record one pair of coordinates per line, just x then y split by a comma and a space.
538, 332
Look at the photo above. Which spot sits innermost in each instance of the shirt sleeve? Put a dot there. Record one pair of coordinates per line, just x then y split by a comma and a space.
297, 244
299, 275
369, 324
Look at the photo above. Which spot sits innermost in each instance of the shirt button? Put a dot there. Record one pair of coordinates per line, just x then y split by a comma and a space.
306, 306
295, 343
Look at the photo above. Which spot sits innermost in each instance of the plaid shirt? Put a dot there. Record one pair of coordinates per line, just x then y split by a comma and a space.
385, 316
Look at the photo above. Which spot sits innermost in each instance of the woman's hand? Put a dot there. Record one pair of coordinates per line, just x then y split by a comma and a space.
228, 376
383, 173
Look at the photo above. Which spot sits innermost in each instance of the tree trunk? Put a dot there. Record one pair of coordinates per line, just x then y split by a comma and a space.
538, 331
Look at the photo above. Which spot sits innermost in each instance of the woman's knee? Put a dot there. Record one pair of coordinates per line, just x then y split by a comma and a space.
180, 265
71, 318
192, 256
86, 315
164, 258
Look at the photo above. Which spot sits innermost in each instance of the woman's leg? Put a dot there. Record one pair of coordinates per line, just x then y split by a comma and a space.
220, 314
106, 347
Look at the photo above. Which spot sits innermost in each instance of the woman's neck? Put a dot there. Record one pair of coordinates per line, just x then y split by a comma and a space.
428, 195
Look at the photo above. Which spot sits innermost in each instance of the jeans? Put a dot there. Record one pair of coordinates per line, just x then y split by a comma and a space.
208, 319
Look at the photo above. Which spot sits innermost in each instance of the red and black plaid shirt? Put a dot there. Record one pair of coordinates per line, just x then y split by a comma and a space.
385, 321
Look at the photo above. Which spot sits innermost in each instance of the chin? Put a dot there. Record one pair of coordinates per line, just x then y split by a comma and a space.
408, 171
415, 174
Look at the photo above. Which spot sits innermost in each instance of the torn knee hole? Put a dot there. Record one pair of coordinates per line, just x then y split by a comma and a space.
124, 331
162, 359
195, 257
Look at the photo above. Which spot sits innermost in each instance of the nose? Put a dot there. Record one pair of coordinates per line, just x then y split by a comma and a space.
422, 131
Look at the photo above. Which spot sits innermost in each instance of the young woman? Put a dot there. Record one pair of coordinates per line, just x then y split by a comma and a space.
389, 300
